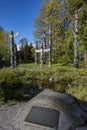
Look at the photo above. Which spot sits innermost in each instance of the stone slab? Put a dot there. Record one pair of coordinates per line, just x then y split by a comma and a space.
81, 128
71, 115
43, 116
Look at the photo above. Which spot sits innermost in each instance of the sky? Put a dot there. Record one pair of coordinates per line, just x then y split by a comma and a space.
18, 16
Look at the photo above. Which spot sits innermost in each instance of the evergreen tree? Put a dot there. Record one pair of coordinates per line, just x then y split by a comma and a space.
26, 52
59, 14
81, 6
56, 17
40, 23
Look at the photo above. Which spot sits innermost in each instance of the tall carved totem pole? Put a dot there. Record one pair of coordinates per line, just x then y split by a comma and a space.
76, 55
13, 49
50, 44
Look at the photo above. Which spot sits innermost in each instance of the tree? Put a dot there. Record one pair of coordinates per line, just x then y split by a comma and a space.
60, 15
40, 23
56, 17
20, 52
4, 50
23, 41
81, 6
26, 52
1, 29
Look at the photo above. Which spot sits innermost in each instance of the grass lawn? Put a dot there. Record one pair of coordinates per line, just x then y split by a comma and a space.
70, 79
67, 79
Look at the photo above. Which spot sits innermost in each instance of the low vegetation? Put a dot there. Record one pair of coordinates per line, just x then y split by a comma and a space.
29, 79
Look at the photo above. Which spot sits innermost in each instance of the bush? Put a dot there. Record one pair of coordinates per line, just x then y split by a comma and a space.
10, 82
79, 92
14, 83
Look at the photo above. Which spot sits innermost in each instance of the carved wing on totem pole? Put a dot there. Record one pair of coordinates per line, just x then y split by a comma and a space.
13, 35
10, 35
38, 51
16, 34
47, 50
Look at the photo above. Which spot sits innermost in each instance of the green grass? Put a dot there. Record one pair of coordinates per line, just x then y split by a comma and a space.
67, 79
79, 92
70, 79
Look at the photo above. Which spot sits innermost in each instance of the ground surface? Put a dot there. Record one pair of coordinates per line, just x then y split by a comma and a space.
72, 116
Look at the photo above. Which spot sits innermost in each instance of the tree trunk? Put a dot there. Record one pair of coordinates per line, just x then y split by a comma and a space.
85, 58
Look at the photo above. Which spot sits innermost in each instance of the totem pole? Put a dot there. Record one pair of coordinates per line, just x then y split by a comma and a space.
76, 40
36, 54
42, 52
15, 52
50, 44
13, 49
44, 45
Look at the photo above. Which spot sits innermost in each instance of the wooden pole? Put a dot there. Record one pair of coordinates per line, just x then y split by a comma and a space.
50, 45
12, 48
15, 53
76, 40
36, 54
44, 46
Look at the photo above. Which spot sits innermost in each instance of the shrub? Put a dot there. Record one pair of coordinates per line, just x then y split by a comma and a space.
10, 82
